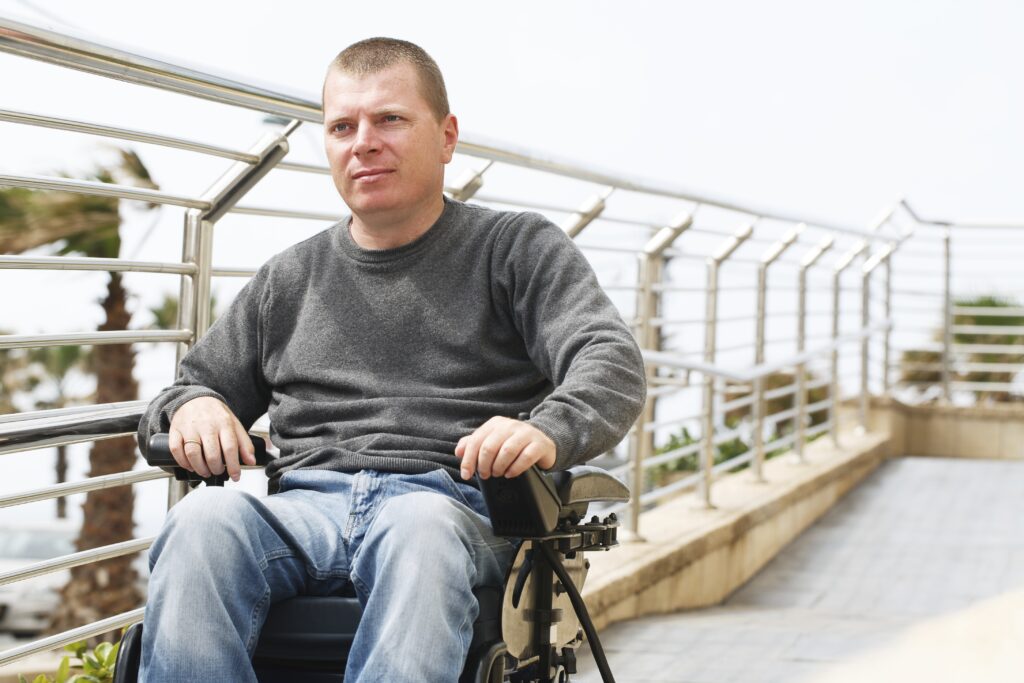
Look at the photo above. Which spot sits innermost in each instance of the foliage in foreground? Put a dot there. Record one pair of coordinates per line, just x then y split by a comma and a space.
92, 667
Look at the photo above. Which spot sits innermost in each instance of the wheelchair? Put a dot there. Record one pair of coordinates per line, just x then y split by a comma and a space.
527, 631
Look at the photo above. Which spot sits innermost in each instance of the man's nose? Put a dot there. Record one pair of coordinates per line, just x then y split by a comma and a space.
366, 141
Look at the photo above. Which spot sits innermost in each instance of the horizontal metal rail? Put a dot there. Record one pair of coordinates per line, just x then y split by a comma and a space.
961, 367
988, 329
319, 169
987, 386
233, 272
63, 562
93, 187
19, 341
59, 413
74, 635
109, 265
104, 481
78, 126
1013, 349
78, 50
990, 311
286, 213
49, 428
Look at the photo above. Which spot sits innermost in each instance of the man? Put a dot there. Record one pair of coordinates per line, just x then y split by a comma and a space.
400, 352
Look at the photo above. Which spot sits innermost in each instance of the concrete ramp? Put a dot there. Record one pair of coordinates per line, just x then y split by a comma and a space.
917, 574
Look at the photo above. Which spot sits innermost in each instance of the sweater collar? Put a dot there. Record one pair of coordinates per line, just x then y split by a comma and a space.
363, 255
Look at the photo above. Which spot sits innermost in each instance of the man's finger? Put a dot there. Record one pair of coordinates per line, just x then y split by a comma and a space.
229, 449
193, 448
211, 451
246, 451
527, 458
509, 451
493, 440
468, 467
176, 444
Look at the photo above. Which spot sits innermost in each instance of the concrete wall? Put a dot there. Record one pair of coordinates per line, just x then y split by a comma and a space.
994, 431
694, 557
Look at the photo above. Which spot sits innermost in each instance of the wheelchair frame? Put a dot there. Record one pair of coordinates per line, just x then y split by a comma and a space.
544, 511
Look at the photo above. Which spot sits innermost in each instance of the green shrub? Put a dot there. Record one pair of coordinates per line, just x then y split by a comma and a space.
92, 667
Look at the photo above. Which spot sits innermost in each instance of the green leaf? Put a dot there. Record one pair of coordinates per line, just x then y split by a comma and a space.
63, 670
77, 649
90, 662
102, 651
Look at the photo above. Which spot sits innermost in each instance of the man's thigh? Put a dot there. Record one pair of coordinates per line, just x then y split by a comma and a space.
310, 512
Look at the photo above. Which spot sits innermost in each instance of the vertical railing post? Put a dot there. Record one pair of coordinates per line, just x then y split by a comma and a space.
757, 407
194, 296
842, 264
887, 335
810, 258
714, 262
947, 316
868, 268
651, 272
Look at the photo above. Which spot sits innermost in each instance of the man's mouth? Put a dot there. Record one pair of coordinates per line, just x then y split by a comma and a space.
371, 173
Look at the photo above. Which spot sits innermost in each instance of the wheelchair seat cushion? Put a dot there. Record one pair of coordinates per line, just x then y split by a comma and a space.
315, 631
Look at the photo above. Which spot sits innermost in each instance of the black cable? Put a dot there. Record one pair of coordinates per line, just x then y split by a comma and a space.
581, 611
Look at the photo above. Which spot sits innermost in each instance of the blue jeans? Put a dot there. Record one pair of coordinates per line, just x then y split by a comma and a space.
413, 547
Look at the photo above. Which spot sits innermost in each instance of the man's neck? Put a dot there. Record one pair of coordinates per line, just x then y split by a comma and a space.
389, 232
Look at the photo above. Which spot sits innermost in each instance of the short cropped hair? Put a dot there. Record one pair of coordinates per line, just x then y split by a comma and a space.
374, 55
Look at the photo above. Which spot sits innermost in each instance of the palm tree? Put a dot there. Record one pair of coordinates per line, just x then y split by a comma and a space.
13, 363
53, 366
90, 225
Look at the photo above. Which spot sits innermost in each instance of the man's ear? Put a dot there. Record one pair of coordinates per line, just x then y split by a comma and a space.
450, 131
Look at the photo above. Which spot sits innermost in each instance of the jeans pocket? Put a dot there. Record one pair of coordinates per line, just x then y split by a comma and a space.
453, 488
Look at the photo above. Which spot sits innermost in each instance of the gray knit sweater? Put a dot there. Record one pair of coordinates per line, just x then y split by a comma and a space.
384, 359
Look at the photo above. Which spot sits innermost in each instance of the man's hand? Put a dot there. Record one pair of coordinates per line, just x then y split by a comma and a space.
206, 437
504, 447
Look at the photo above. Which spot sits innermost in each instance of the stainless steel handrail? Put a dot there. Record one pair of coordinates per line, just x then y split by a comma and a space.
77, 50
15, 341
110, 265
38, 182
78, 126
76, 559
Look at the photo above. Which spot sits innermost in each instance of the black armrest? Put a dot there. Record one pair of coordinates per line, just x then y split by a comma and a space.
159, 455
532, 504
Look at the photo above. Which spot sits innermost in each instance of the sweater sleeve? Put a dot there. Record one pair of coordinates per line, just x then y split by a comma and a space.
225, 364
576, 338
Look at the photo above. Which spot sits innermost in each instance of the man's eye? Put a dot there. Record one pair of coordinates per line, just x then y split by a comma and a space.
340, 127
391, 118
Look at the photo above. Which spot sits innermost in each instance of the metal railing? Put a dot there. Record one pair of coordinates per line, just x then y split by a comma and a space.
650, 243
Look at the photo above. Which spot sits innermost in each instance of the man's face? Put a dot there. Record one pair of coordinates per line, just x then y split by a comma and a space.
385, 146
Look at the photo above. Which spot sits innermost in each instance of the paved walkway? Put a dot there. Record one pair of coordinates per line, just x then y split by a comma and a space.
914, 576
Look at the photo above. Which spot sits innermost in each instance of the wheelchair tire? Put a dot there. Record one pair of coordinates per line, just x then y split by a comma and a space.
129, 656
486, 665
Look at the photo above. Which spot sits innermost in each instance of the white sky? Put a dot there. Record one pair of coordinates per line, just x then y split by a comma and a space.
830, 108
825, 109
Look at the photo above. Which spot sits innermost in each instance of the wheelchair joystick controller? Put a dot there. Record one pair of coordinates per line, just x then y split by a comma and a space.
159, 455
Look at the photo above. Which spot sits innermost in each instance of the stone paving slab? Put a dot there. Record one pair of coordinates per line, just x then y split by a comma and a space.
923, 548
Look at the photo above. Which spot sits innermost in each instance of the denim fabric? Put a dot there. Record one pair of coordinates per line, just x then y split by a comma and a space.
413, 546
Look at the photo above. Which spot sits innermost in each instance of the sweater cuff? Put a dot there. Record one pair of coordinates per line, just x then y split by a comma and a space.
565, 440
